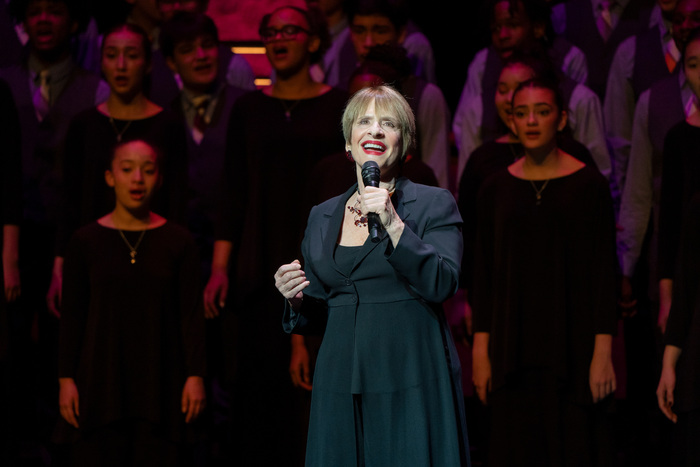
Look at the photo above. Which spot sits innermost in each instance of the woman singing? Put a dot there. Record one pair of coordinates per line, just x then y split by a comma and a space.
131, 354
387, 381
544, 297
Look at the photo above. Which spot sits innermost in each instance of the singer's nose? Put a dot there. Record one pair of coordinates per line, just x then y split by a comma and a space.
376, 130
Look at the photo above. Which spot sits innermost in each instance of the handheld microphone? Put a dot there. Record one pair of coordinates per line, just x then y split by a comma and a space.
370, 177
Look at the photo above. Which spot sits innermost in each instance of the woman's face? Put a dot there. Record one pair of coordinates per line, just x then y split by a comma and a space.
134, 175
376, 137
124, 62
509, 80
536, 118
289, 53
691, 66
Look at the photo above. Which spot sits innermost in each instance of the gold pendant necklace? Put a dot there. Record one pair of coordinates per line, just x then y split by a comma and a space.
538, 191
132, 249
117, 131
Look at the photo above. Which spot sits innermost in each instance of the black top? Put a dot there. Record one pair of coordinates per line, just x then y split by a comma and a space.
683, 325
680, 180
544, 276
268, 164
89, 145
486, 160
130, 334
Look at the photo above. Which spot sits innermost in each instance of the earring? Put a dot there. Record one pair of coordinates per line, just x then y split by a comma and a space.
348, 154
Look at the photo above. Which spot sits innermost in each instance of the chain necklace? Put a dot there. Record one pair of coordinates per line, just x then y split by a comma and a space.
288, 108
132, 249
117, 131
538, 191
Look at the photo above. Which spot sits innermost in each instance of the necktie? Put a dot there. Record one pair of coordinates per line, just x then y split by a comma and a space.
604, 21
42, 96
200, 119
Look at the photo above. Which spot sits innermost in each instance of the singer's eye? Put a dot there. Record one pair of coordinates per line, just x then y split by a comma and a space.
389, 124
363, 121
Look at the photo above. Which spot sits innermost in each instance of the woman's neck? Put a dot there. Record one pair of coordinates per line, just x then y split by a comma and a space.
542, 164
124, 219
134, 108
298, 86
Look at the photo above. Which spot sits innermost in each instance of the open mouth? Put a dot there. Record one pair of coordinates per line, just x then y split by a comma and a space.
137, 194
374, 147
532, 134
121, 80
280, 51
203, 68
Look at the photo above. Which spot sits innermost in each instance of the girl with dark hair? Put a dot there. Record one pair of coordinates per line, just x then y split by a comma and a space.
544, 297
131, 348
126, 115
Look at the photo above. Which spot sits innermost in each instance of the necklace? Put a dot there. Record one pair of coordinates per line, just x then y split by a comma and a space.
132, 249
538, 191
360, 220
116, 130
288, 108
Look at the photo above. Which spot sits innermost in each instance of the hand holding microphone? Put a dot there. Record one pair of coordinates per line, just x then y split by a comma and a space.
370, 177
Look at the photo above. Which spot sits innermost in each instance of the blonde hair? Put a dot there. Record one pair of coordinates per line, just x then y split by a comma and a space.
387, 101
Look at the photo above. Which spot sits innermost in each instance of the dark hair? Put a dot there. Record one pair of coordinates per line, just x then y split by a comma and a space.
185, 26
395, 10
77, 9
693, 35
537, 62
388, 61
121, 144
145, 41
316, 23
538, 83
536, 11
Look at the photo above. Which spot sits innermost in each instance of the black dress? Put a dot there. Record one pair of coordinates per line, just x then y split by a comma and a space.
89, 144
131, 334
486, 160
544, 286
680, 180
273, 146
683, 330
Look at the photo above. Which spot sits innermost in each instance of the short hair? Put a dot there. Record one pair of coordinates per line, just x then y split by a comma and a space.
133, 28
77, 9
395, 10
185, 26
387, 100
315, 21
539, 83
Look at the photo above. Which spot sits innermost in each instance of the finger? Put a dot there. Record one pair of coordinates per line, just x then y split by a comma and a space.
295, 291
296, 381
305, 386
185, 402
223, 294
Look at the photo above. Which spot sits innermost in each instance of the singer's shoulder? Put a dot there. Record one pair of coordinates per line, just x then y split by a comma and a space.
410, 191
